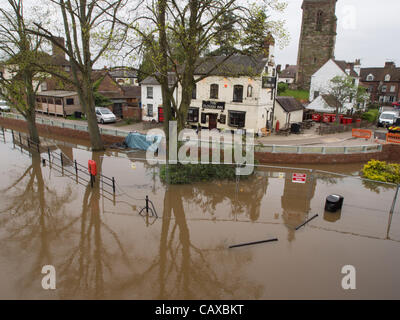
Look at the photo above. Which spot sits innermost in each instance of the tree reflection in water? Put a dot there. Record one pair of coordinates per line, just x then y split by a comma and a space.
35, 217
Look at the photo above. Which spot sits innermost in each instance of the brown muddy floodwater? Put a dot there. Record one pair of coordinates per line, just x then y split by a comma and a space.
102, 248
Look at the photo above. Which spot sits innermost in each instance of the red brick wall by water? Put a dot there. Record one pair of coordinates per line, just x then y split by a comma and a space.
56, 131
390, 152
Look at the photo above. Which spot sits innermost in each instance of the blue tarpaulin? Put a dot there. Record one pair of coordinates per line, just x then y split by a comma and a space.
136, 140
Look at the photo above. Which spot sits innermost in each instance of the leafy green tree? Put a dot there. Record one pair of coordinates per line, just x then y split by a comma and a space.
227, 34
282, 87
344, 91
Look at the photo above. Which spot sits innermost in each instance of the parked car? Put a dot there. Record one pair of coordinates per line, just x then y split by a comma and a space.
387, 118
104, 115
4, 107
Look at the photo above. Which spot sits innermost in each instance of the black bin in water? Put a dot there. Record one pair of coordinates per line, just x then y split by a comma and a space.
334, 203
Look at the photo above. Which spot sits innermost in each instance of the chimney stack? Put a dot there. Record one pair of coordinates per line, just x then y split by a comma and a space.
58, 52
390, 65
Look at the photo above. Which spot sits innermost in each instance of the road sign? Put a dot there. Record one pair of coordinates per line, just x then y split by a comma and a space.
299, 178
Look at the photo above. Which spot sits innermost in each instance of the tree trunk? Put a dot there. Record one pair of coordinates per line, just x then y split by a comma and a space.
88, 105
30, 113
32, 129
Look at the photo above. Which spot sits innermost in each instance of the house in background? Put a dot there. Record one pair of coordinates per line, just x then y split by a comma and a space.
321, 81
287, 111
152, 103
325, 104
383, 84
124, 76
288, 75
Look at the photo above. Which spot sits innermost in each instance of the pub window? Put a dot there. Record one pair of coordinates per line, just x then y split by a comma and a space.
149, 110
249, 91
194, 92
319, 20
222, 119
70, 101
238, 93
214, 91
193, 115
237, 119
58, 101
50, 100
38, 100
149, 92
44, 100
203, 118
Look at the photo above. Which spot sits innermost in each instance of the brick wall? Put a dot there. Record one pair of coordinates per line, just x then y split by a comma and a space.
50, 131
132, 113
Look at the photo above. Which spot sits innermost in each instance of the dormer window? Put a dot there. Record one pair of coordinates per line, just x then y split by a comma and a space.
319, 20
387, 77
370, 77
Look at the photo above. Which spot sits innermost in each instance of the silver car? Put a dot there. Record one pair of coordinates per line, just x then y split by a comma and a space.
104, 115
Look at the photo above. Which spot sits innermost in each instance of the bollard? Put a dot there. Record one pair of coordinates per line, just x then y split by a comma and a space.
48, 152
113, 185
29, 144
76, 168
61, 158
147, 204
44, 162
20, 138
91, 180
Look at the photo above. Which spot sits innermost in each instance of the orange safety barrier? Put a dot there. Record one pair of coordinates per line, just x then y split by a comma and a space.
393, 138
361, 133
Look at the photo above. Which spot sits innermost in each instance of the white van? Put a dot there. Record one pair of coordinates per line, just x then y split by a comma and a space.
387, 118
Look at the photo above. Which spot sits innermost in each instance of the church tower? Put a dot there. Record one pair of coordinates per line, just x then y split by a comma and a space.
317, 38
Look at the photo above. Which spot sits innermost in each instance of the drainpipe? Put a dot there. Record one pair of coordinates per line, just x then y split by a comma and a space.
273, 96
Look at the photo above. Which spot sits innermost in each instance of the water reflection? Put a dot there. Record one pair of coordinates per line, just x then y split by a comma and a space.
296, 202
35, 217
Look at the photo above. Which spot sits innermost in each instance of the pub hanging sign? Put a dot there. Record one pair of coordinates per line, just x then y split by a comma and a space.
213, 105
268, 82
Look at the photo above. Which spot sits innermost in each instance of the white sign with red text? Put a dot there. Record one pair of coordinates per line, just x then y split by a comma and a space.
299, 178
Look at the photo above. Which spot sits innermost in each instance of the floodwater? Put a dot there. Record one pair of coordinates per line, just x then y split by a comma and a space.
102, 248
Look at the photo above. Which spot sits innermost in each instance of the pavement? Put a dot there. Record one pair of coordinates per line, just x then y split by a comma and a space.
308, 137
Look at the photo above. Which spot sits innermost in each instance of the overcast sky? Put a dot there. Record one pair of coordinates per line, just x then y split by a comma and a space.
367, 29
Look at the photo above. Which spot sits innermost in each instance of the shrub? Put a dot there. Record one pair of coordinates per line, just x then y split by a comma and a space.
371, 115
282, 87
382, 171
190, 173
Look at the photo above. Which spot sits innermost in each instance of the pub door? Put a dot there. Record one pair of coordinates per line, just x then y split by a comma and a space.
212, 121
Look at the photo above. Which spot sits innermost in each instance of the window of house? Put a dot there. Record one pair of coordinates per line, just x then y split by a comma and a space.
237, 119
194, 92
44, 100
370, 77
316, 94
214, 91
249, 91
391, 98
149, 110
50, 100
58, 101
384, 88
67, 68
149, 92
320, 15
193, 115
43, 86
387, 77
70, 101
392, 88
238, 93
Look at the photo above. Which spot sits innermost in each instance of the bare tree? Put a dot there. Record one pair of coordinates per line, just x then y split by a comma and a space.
91, 31
21, 53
